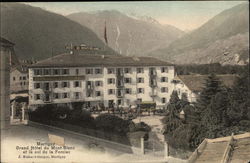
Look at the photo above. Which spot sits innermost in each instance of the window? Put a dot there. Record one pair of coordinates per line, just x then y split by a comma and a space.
140, 70
111, 91
56, 95
56, 72
77, 95
46, 86
119, 92
98, 93
111, 71
164, 89
37, 85
111, 81
89, 71
98, 83
65, 95
37, 96
77, 71
47, 97
120, 83
37, 71
128, 91
20, 78
127, 80
55, 84
90, 84
21, 83
163, 100
119, 71
77, 84
98, 71
14, 78
24, 77
152, 82
65, 84
46, 71
164, 79
140, 90
164, 69
65, 71
140, 80
152, 71
24, 83
127, 70
111, 103
119, 102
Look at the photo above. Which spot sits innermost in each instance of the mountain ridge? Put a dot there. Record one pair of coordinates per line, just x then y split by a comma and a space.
218, 29
40, 34
127, 35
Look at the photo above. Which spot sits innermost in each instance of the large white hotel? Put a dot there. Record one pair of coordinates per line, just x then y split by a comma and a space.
98, 79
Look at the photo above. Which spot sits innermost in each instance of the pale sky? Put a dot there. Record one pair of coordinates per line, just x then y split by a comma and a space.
186, 15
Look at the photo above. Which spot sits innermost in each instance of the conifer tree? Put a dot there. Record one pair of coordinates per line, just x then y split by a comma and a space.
211, 87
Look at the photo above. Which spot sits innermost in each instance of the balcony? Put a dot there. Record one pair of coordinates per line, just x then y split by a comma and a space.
90, 85
153, 84
152, 74
47, 98
120, 94
120, 84
119, 73
47, 88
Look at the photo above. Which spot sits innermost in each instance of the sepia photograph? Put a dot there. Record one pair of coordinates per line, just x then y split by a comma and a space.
125, 82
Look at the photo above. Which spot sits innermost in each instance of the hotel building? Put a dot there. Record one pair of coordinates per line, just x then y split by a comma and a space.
98, 79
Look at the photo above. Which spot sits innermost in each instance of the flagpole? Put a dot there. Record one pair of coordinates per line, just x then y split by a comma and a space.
105, 35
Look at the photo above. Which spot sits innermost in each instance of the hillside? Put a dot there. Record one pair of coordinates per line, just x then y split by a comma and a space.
126, 34
224, 39
40, 34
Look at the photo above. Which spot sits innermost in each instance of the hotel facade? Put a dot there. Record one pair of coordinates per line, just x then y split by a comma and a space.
97, 79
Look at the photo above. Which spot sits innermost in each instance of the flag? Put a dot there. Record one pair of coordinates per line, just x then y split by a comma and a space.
105, 34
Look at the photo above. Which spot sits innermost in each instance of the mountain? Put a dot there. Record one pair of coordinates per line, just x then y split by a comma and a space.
223, 39
126, 34
39, 34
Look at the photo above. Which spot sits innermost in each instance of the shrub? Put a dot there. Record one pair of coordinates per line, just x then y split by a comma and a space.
112, 123
81, 118
42, 114
141, 126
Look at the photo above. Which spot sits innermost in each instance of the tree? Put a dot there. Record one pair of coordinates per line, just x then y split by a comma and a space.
172, 120
174, 98
239, 109
212, 86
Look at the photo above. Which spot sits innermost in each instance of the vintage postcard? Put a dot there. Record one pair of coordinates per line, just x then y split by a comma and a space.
136, 81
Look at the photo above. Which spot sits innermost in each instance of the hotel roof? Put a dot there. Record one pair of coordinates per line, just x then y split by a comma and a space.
93, 60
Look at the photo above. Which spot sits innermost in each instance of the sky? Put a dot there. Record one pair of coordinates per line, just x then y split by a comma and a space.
185, 15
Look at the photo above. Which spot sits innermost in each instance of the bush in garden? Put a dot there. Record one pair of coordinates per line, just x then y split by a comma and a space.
112, 123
